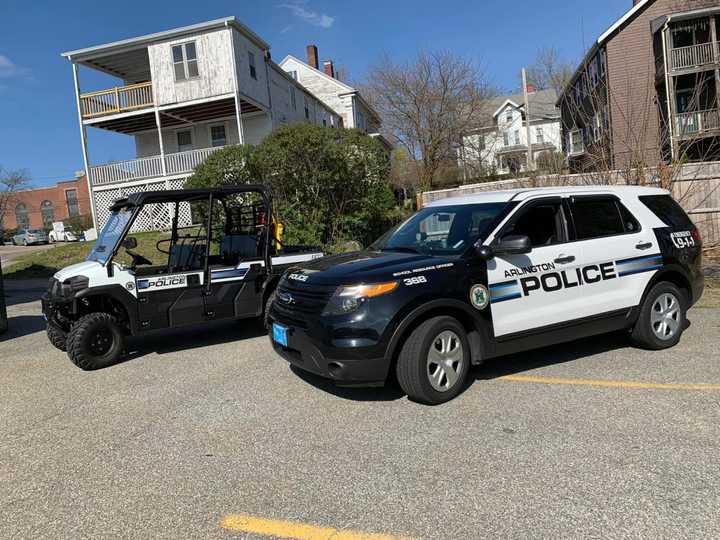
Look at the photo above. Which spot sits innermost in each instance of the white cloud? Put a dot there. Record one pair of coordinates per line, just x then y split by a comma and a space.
8, 69
312, 17
286, 29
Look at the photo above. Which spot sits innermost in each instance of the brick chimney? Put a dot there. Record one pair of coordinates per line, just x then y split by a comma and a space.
636, 2
312, 56
531, 88
328, 68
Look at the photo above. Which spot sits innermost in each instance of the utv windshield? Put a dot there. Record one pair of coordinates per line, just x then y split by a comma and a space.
442, 230
110, 236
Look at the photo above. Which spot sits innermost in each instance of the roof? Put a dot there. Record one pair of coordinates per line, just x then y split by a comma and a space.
140, 41
542, 105
521, 194
184, 195
280, 71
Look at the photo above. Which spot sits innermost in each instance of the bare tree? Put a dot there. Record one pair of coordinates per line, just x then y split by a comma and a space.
550, 70
427, 105
10, 183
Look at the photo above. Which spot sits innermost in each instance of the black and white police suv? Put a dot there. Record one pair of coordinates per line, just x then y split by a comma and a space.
223, 264
472, 278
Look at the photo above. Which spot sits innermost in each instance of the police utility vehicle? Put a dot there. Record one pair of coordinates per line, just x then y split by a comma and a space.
221, 260
472, 278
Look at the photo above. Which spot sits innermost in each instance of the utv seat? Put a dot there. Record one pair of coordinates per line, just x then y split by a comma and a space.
236, 247
187, 256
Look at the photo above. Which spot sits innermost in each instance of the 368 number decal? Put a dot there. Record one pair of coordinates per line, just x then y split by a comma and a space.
417, 280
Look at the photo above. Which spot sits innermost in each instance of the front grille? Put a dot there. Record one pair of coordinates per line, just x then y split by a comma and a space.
306, 300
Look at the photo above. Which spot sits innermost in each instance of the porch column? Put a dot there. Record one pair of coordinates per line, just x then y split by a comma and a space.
83, 139
669, 93
238, 112
716, 59
162, 146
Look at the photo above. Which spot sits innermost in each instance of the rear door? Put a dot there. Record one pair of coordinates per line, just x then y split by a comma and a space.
619, 255
536, 289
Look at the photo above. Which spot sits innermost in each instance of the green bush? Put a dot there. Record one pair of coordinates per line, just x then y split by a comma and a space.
329, 185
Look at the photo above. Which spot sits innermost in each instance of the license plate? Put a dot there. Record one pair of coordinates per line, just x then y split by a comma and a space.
279, 333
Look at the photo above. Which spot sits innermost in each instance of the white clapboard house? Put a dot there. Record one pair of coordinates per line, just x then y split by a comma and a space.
182, 94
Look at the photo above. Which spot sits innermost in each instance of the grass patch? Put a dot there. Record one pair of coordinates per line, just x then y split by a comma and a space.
43, 264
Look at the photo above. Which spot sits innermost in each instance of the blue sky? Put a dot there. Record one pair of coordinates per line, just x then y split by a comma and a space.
38, 119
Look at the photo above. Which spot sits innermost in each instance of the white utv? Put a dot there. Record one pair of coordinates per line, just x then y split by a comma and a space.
220, 260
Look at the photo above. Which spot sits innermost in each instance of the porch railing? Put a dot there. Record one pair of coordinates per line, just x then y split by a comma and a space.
695, 56
697, 123
115, 100
149, 167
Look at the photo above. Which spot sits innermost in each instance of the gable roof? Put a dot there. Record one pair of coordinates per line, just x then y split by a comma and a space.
542, 105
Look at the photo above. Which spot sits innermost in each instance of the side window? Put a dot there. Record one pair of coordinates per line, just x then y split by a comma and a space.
543, 223
185, 61
595, 218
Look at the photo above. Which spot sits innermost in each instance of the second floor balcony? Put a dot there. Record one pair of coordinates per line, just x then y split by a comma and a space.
698, 124
175, 164
116, 100
693, 57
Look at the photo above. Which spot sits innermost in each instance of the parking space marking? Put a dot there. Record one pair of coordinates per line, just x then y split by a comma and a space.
295, 530
607, 383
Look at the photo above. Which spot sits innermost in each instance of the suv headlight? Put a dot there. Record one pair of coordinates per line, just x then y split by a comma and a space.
347, 299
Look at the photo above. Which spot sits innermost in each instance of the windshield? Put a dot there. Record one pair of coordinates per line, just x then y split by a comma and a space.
110, 236
442, 230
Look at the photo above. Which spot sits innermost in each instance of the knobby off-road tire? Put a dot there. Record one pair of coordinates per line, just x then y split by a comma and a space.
434, 361
662, 318
266, 311
95, 341
57, 337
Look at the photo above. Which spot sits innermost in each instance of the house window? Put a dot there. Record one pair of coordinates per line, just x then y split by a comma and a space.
294, 75
21, 216
48, 214
185, 61
72, 202
539, 135
307, 109
184, 140
251, 60
324, 123
577, 145
217, 135
293, 100
517, 136
509, 117
506, 138
481, 142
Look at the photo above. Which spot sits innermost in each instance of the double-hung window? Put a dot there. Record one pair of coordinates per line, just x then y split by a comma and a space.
184, 140
539, 135
293, 99
251, 61
217, 135
185, 61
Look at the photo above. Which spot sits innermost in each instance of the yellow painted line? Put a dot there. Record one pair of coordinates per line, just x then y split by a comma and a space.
298, 531
606, 383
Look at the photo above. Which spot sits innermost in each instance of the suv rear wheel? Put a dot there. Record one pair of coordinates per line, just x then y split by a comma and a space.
662, 318
434, 361
95, 341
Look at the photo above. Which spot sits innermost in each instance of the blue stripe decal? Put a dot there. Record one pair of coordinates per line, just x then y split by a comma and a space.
504, 284
142, 284
232, 272
639, 259
506, 297
646, 269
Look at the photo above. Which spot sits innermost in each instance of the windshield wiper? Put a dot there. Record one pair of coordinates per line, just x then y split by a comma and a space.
401, 249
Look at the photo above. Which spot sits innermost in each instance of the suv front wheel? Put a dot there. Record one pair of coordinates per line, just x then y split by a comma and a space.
434, 361
662, 318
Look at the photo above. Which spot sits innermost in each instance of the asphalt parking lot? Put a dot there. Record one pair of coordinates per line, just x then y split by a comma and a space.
206, 433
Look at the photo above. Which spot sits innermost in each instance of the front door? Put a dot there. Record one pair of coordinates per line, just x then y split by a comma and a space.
539, 288
167, 300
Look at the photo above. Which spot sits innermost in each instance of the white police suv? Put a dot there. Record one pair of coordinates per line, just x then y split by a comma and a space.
472, 278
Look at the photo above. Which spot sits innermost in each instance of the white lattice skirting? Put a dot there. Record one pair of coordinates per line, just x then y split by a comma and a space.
154, 217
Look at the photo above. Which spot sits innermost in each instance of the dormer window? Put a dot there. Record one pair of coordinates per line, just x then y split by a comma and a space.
509, 117
185, 61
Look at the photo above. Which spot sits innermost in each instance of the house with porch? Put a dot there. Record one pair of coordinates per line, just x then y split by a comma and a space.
181, 94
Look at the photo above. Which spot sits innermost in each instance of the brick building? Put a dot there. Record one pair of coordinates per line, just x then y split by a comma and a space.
647, 90
39, 208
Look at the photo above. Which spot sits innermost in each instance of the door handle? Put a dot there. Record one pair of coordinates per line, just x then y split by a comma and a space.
562, 259
644, 245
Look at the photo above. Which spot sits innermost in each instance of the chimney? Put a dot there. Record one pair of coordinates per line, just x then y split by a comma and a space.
312, 56
531, 89
636, 2
329, 68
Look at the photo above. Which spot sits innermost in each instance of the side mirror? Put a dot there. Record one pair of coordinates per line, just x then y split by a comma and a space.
484, 252
513, 245
130, 242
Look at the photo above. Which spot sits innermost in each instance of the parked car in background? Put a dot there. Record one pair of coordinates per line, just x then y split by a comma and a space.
6, 236
62, 236
25, 237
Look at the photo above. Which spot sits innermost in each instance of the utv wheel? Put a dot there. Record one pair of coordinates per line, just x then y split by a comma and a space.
57, 337
95, 341
662, 318
434, 361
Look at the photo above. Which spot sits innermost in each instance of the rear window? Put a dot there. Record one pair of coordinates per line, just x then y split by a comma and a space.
595, 218
668, 210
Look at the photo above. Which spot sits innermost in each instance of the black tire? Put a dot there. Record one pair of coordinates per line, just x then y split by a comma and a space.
266, 311
646, 332
95, 341
414, 365
57, 337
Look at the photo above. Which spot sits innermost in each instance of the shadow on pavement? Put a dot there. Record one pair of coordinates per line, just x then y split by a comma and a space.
24, 291
23, 325
390, 392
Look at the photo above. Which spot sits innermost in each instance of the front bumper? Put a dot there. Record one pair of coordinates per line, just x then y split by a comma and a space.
344, 366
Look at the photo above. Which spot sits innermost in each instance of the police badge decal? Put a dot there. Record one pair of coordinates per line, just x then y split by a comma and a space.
479, 296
